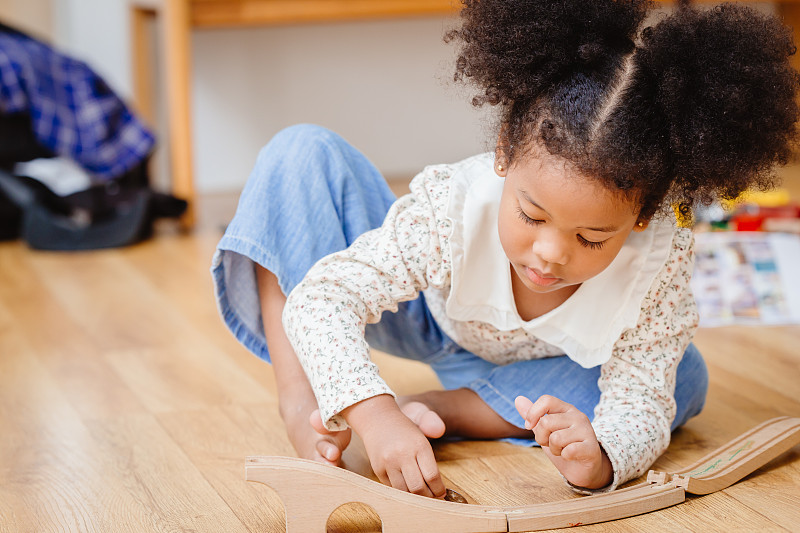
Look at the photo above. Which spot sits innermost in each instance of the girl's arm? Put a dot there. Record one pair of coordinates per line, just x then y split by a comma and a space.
325, 317
637, 406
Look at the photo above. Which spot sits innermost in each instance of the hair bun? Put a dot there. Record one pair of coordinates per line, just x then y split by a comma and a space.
725, 92
521, 49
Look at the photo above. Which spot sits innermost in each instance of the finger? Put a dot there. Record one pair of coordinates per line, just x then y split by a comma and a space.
550, 424
523, 406
430, 472
578, 451
542, 430
544, 405
557, 411
569, 452
414, 481
548, 405
558, 440
381, 475
397, 480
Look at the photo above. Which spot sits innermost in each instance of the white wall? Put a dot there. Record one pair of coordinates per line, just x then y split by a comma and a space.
383, 85
97, 32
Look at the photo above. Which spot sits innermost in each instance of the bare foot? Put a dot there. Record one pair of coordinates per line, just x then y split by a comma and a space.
312, 441
457, 413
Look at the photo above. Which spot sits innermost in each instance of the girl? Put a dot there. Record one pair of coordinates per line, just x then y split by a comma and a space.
546, 278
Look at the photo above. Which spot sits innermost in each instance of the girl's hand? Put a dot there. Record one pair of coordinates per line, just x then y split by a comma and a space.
568, 439
399, 453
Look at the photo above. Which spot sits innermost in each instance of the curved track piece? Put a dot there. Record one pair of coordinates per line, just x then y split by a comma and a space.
311, 491
639, 499
738, 458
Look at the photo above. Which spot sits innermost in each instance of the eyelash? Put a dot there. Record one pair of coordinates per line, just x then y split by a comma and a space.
592, 245
528, 220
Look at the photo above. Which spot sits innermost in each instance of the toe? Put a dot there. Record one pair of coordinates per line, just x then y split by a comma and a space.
428, 421
316, 422
431, 425
328, 451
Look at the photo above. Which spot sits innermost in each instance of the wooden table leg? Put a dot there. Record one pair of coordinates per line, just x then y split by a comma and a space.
175, 43
177, 62
143, 68
790, 13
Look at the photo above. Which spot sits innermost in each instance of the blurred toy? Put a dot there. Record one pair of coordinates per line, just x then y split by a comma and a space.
753, 211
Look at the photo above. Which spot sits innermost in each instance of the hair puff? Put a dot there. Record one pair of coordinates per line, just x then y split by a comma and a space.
522, 49
723, 95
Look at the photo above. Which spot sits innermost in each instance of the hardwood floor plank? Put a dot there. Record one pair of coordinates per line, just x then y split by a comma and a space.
713, 513
105, 296
175, 379
240, 431
773, 401
718, 512
52, 475
219, 454
181, 278
65, 348
520, 479
772, 491
63, 344
168, 349
13, 256
764, 355
153, 470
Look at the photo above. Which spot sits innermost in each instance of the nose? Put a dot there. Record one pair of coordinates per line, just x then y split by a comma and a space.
551, 249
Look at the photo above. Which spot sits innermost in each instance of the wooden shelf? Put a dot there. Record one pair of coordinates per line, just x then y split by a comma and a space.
233, 13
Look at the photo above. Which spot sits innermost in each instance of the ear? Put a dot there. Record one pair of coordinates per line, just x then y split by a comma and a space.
641, 225
500, 155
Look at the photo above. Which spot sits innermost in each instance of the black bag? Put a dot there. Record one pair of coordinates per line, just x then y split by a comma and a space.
117, 213
114, 214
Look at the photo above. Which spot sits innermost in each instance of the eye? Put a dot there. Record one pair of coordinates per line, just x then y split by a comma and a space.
594, 245
528, 220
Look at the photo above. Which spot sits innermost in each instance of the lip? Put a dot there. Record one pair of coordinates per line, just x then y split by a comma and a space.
540, 278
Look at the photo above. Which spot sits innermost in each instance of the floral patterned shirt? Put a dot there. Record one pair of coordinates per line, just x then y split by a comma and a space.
442, 239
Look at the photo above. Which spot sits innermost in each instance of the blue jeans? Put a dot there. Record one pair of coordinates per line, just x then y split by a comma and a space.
311, 194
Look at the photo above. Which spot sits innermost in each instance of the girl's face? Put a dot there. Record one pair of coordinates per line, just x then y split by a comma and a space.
557, 227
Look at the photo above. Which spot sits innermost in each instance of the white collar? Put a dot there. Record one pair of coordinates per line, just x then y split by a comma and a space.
590, 322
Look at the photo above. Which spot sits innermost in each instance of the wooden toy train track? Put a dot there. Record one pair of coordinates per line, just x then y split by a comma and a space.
298, 482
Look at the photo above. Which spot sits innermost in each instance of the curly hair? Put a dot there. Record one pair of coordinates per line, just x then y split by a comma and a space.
700, 105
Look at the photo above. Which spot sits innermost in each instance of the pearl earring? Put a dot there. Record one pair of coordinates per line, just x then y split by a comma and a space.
500, 167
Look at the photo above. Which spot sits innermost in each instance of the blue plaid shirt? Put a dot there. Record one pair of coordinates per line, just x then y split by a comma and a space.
73, 111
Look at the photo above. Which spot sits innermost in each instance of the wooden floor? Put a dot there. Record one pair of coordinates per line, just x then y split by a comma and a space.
126, 406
